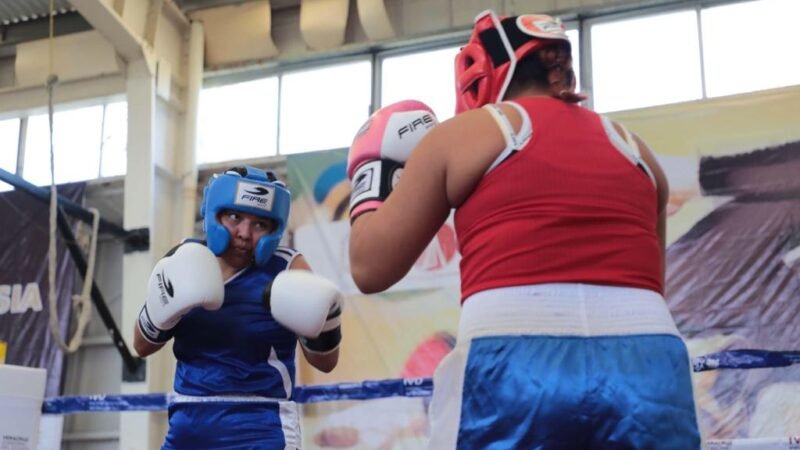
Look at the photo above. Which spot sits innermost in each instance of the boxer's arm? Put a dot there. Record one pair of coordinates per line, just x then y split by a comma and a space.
324, 362
141, 345
440, 174
385, 243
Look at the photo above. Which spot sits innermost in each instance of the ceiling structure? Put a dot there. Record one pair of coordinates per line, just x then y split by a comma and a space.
18, 11
194, 5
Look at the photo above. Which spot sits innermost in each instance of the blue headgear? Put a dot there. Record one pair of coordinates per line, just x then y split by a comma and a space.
249, 190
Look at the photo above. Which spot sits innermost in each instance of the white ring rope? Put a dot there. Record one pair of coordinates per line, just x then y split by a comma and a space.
80, 302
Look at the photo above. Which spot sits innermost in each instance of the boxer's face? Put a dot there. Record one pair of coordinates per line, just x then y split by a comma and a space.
245, 229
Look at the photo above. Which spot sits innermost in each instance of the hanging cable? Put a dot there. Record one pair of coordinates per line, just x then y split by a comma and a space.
81, 303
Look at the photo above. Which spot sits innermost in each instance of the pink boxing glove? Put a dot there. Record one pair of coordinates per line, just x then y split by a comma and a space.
381, 148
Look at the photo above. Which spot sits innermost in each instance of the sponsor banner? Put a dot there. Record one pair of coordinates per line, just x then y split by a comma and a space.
24, 312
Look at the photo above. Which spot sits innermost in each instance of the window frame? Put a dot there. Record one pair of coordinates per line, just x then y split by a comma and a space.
586, 40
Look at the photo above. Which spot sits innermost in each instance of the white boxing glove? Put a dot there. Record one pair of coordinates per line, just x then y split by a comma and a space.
187, 278
310, 306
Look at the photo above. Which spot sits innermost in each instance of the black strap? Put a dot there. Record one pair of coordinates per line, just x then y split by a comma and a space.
494, 44
325, 342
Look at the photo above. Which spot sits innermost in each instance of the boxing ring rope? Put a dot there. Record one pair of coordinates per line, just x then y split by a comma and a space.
370, 389
364, 390
744, 359
420, 387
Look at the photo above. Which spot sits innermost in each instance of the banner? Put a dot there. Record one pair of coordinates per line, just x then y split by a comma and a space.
730, 286
733, 232
403, 332
24, 313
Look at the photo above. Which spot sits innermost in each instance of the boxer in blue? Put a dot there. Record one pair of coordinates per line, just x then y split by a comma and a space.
236, 313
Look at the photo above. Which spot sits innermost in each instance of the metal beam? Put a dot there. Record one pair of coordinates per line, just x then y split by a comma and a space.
151, 24
105, 20
75, 210
33, 99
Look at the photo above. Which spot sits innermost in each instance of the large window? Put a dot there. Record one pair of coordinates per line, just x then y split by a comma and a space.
323, 108
749, 46
76, 141
636, 60
426, 76
238, 121
646, 61
9, 142
657, 59
114, 155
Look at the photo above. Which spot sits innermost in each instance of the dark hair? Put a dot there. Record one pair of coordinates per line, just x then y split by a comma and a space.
533, 70
530, 71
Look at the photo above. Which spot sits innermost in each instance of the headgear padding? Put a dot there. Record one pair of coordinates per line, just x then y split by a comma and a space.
485, 66
248, 190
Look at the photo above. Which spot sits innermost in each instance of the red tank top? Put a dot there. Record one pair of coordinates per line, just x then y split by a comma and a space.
568, 207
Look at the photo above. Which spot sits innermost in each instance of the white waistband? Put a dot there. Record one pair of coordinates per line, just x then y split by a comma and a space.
565, 309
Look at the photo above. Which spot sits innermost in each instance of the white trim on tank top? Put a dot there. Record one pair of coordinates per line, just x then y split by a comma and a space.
514, 141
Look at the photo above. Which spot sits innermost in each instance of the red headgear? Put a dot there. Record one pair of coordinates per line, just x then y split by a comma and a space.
485, 66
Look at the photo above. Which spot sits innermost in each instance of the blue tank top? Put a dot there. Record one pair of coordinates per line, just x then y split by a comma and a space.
237, 350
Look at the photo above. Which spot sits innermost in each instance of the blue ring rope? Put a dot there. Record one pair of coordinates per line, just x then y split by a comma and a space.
364, 390
370, 389
744, 359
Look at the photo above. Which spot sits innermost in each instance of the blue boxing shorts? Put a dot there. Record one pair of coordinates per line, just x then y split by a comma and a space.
567, 367
232, 423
